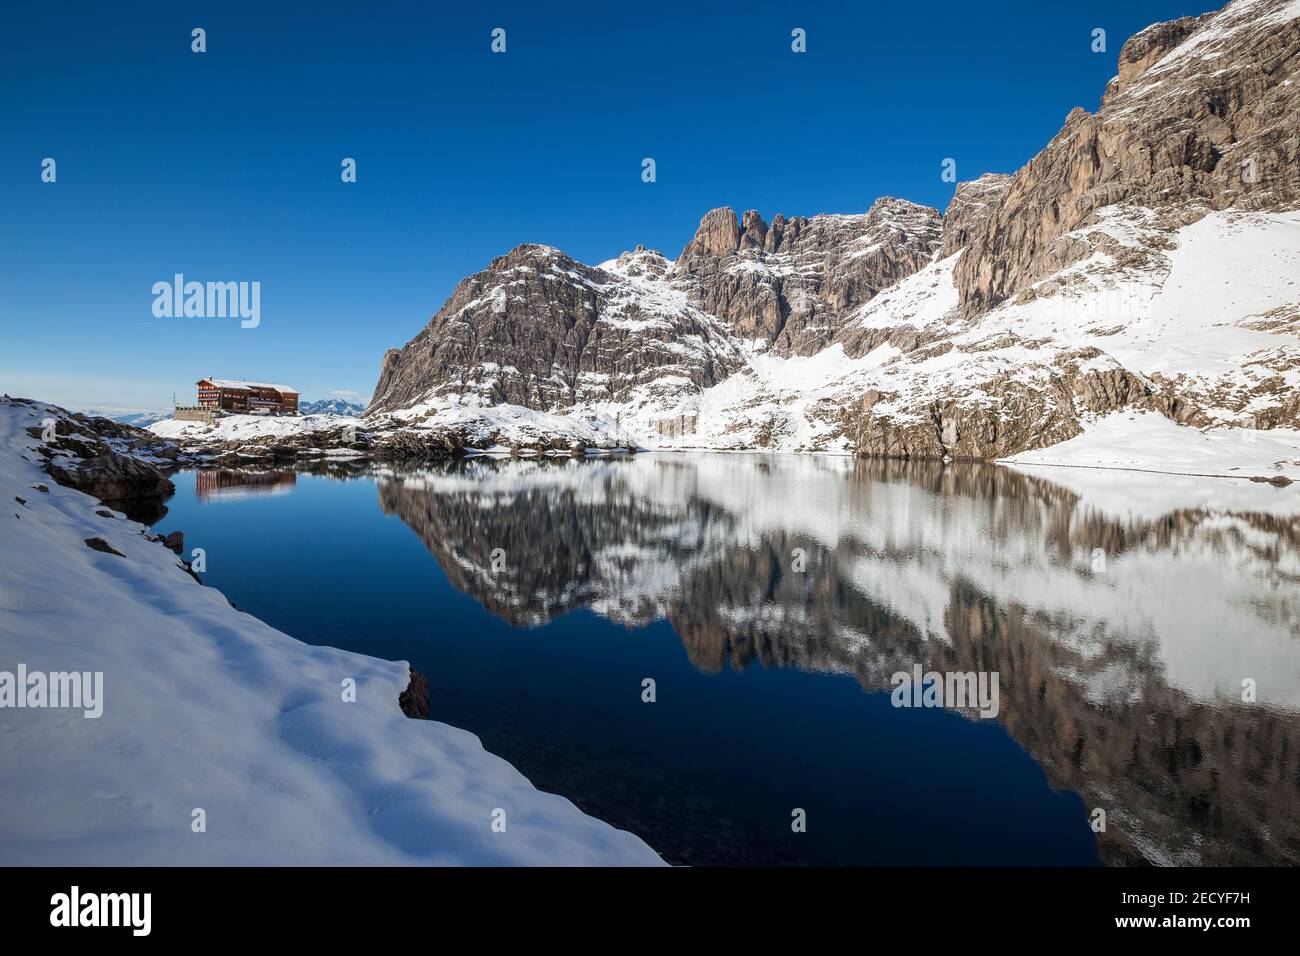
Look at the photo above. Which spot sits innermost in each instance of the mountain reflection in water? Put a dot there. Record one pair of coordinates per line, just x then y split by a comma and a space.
1122, 631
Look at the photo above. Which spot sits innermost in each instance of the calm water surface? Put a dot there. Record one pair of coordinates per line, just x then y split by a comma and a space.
1121, 612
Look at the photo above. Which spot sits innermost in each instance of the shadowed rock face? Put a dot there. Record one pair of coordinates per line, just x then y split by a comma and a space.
1121, 640
1210, 125
1021, 415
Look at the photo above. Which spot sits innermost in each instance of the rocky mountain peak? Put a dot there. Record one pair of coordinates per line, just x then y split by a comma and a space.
1144, 49
539, 329
753, 230
1080, 282
532, 255
640, 262
893, 206
1202, 116
717, 235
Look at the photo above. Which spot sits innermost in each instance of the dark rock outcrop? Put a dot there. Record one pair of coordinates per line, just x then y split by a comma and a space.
105, 459
418, 446
414, 701
99, 544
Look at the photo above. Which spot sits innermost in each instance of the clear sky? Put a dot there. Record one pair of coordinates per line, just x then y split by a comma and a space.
225, 165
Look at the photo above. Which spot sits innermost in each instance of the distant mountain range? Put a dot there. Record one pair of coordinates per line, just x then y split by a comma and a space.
1148, 258
332, 406
137, 417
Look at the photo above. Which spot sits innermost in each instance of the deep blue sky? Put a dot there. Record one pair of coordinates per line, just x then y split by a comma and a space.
225, 165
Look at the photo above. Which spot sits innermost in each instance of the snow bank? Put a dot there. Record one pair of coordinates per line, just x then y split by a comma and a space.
246, 427
1148, 441
207, 707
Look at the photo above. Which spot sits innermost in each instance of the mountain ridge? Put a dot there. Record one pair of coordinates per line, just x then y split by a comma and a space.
1037, 302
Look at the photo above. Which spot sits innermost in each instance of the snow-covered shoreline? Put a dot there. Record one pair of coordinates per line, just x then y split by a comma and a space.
206, 708
1146, 441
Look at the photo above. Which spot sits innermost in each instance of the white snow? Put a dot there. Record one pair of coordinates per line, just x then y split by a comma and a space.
923, 298
207, 707
246, 427
1140, 440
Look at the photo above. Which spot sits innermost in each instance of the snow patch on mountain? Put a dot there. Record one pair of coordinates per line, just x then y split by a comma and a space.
248, 427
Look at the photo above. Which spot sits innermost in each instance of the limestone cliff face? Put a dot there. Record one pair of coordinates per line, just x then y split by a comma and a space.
973, 204
784, 287
1204, 114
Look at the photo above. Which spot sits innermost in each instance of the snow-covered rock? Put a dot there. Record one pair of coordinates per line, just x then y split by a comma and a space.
442, 426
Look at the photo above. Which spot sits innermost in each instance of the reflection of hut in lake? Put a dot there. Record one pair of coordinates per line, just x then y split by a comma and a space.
226, 482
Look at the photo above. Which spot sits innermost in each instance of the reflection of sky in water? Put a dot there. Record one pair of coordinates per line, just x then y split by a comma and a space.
1122, 629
